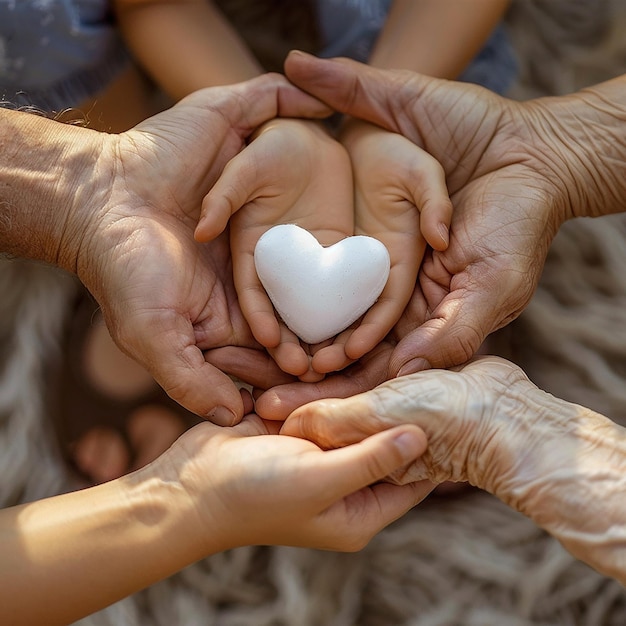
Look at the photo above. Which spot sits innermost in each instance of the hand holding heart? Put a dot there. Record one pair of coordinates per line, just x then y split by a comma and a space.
293, 172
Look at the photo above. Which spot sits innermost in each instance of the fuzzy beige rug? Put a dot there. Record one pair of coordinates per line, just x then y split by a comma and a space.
466, 561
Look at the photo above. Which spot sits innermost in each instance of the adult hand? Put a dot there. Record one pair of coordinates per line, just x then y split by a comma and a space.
515, 172
166, 297
558, 463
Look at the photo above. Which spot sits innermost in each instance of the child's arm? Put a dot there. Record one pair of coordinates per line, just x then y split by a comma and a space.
185, 45
435, 37
216, 488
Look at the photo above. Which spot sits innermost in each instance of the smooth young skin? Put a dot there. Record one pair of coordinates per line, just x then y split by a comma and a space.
292, 172
215, 489
400, 198
120, 211
560, 464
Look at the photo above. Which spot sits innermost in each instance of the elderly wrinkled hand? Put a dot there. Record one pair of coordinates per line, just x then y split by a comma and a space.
515, 172
165, 297
488, 424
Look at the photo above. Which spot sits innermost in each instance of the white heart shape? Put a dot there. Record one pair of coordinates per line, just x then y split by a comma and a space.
320, 291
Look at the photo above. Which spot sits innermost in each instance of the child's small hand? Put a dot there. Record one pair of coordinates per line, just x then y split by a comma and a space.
292, 172
248, 485
401, 199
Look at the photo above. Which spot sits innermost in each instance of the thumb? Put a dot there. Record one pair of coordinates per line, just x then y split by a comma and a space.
265, 97
178, 365
235, 187
349, 469
451, 336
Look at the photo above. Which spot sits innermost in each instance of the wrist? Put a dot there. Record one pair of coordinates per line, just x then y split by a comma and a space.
159, 499
584, 138
567, 476
198, 526
49, 183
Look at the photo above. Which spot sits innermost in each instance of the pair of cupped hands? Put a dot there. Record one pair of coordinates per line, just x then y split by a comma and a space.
163, 234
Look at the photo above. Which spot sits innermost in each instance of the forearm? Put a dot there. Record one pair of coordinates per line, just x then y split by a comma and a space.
570, 480
47, 171
185, 45
581, 141
68, 556
435, 37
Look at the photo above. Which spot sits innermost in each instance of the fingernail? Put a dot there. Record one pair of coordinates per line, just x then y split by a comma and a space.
222, 416
407, 444
413, 366
444, 233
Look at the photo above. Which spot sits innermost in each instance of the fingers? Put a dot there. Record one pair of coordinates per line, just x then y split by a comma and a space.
178, 365
430, 195
333, 357
289, 354
255, 304
281, 343
392, 501
333, 423
353, 88
268, 96
350, 481
204, 390
349, 524
380, 319
235, 187
451, 334
371, 370
255, 367
353, 467
438, 343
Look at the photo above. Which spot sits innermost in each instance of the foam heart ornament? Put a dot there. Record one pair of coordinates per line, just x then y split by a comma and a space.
319, 291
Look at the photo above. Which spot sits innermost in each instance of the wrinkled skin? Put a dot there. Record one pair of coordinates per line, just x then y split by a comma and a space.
487, 146
130, 237
558, 463
515, 173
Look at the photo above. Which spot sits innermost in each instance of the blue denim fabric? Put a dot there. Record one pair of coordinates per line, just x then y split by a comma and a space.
55, 54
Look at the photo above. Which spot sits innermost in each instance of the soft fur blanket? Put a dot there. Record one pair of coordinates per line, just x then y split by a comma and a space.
467, 560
